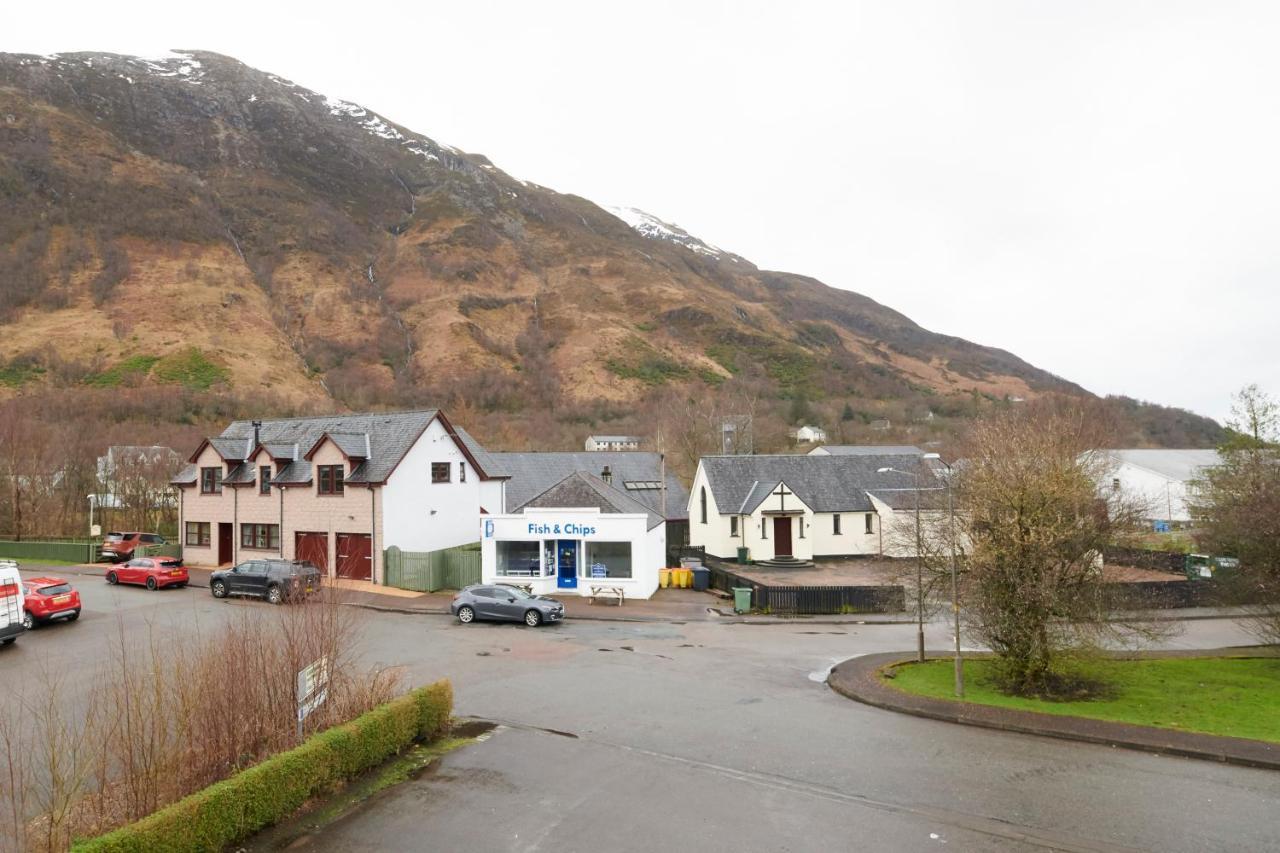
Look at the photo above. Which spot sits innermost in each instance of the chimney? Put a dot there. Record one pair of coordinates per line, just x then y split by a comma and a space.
607, 475
257, 430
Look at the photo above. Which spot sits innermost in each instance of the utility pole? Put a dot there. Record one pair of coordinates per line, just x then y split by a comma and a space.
955, 584
919, 573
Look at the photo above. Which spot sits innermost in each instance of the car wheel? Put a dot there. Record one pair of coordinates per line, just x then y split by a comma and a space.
28, 622
182, 585
275, 594
112, 579
219, 589
74, 616
151, 583
466, 615
532, 618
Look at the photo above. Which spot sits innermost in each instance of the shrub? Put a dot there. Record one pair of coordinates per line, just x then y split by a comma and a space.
231, 810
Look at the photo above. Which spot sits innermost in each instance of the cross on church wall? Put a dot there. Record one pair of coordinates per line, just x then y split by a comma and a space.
781, 495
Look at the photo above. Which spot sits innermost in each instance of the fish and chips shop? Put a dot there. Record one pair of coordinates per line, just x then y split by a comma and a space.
576, 550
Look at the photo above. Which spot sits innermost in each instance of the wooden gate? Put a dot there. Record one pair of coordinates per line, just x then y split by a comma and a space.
314, 548
355, 556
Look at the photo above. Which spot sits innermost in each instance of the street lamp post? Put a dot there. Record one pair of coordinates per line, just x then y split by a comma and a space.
919, 553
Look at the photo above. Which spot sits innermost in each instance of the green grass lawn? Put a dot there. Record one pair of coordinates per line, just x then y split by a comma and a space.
1223, 696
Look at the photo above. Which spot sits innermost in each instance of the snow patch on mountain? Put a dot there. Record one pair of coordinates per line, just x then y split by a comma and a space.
654, 228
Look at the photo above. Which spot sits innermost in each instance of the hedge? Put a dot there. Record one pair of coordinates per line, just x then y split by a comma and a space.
235, 808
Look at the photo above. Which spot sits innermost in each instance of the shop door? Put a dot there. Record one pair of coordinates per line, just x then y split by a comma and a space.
314, 548
567, 564
224, 543
355, 556
782, 536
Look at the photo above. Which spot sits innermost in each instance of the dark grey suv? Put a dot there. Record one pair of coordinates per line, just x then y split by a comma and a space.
275, 580
504, 603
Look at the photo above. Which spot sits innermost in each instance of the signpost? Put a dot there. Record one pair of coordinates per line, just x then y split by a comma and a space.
313, 689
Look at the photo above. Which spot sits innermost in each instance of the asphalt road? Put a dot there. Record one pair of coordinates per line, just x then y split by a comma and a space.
706, 736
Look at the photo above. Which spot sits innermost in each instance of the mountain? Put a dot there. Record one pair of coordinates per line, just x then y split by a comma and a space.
190, 228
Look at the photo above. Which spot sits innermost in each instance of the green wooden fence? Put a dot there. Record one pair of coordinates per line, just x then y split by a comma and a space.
65, 552
431, 571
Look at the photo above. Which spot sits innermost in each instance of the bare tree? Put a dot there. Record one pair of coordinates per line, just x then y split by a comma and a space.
1037, 521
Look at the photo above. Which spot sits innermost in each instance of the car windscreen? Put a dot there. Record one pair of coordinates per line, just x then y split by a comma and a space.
514, 591
58, 589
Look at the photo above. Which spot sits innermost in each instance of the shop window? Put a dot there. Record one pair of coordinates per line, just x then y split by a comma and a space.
197, 533
440, 472
835, 525
210, 481
262, 537
517, 559
733, 525
549, 558
607, 560
264, 480
870, 524
330, 478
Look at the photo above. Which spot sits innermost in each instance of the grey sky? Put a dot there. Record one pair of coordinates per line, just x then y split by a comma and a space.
1093, 186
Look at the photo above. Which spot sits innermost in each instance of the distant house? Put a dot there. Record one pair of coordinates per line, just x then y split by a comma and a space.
597, 443
335, 490
133, 475
788, 508
1163, 479
809, 435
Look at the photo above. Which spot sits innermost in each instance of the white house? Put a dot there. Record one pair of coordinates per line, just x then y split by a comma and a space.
612, 442
335, 490
789, 508
809, 434
1163, 479
582, 536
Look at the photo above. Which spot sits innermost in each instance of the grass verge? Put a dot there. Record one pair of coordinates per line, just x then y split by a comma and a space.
1237, 697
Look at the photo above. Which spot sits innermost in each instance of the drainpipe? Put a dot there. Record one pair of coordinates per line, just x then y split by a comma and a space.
281, 490
373, 532
235, 525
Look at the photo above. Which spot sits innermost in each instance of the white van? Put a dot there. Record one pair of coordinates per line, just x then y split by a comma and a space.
10, 602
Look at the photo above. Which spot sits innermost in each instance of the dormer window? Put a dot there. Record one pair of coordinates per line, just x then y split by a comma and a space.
210, 481
330, 479
264, 480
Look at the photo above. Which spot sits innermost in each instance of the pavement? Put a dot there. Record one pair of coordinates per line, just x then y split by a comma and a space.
711, 735
862, 680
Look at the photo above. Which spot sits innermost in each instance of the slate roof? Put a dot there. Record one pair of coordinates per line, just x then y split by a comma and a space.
580, 489
232, 448
354, 445
488, 461
905, 499
298, 473
824, 483
186, 476
533, 473
281, 449
868, 450
390, 435
1179, 465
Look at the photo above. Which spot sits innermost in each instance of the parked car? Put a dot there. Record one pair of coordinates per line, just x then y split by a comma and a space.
48, 599
275, 580
11, 598
118, 547
151, 572
504, 603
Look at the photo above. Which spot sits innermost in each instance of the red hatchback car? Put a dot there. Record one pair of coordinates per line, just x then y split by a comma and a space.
151, 572
47, 599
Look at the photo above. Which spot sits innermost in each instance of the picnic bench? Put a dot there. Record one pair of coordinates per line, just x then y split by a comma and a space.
606, 592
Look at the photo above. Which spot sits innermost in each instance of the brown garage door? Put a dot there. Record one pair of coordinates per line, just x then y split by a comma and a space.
314, 548
355, 556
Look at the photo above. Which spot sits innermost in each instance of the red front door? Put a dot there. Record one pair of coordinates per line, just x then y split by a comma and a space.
224, 543
355, 556
782, 536
314, 548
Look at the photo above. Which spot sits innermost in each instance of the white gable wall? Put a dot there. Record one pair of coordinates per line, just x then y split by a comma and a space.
1164, 497
419, 515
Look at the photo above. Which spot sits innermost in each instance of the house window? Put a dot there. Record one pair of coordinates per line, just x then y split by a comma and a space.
835, 524
197, 533
800, 524
210, 481
330, 479
462, 472
703, 500
764, 528
263, 537
1115, 484
440, 472
733, 525
870, 525
264, 480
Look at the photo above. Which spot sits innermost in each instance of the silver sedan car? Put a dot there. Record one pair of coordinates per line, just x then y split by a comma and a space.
506, 604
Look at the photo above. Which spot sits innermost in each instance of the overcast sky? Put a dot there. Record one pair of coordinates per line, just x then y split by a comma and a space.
1092, 186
